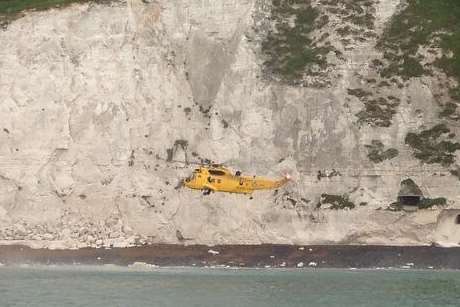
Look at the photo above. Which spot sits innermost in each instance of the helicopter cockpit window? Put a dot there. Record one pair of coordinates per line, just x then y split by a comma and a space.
216, 172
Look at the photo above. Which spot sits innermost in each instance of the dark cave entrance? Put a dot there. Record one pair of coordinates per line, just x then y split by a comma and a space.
410, 193
412, 200
457, 220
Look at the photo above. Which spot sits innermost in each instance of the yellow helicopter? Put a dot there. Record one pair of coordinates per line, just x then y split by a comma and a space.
217, 178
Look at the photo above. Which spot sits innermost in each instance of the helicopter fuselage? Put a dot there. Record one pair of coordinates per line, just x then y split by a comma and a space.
220, 179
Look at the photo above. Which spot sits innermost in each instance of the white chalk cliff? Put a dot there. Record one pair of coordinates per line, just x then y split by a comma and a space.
95, 98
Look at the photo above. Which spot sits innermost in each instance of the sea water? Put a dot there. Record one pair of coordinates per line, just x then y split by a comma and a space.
116, 286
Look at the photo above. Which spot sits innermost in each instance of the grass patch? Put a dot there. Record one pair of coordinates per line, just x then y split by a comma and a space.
425, 203
346, 30
288, 47
432, 146
377, 112
456, 173
17, 6
359, 93
377, 153
455, 93
356, 16
404, 66
357, 12
421, 23
365, 20
335, 202
13, 9
449, 112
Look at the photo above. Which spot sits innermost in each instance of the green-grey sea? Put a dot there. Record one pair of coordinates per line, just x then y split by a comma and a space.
117, 286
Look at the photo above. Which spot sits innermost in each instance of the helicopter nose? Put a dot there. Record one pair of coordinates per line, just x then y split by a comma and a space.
187, 182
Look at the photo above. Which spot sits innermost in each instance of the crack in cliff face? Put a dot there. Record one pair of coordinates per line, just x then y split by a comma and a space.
55, 177
8, 186
206, 65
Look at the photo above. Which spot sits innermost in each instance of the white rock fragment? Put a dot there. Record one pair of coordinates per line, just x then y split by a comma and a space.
66, 233
213, 252
301, 248
142, 265
48, 237
300, 265
406, 267
131, 241
312, 264
272, 257
283, 264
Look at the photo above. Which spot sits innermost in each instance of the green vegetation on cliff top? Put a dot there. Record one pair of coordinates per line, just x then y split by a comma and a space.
433, 145
16, 6
11, 9
288, 48
425, 203
377, 153
377, 112
335, 202
421, 23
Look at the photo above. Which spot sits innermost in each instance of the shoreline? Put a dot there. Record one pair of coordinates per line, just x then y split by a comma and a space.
244, 256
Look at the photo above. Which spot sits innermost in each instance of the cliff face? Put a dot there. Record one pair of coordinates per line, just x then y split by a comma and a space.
96, 99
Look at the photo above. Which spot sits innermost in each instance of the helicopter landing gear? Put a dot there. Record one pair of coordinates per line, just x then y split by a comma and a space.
206, 192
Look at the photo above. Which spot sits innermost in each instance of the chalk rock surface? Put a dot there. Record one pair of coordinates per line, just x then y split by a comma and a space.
96, 99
